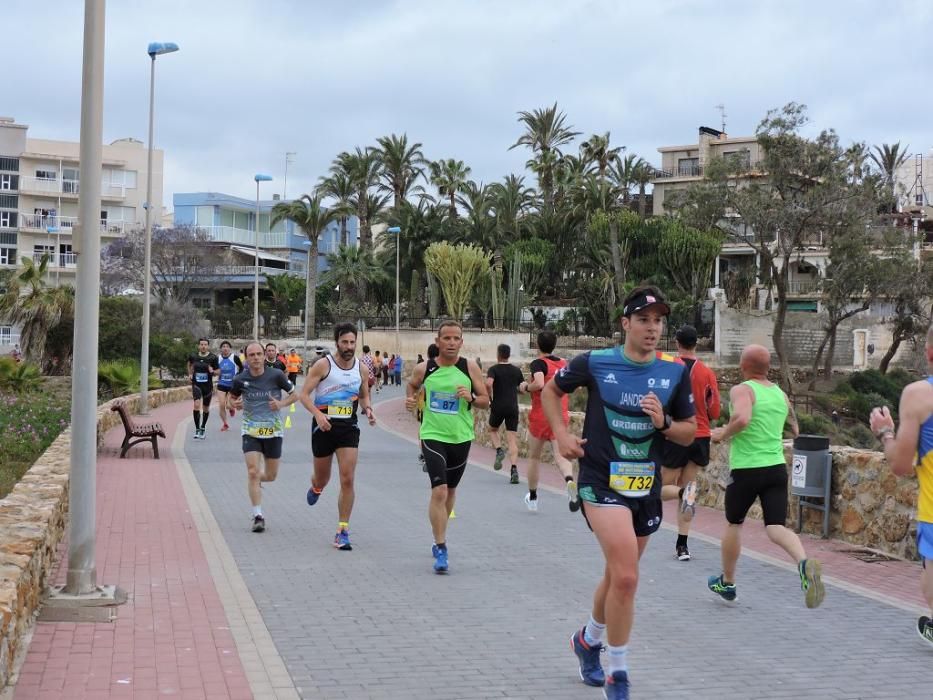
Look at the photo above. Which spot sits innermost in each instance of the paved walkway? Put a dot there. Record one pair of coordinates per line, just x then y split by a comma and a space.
217, 611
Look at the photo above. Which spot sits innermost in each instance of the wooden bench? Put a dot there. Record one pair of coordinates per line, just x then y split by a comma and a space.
135, 434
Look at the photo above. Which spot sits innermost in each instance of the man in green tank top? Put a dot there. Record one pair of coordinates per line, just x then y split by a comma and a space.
453, 386
759, 412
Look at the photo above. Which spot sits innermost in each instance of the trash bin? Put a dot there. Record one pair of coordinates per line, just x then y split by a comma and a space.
811, 476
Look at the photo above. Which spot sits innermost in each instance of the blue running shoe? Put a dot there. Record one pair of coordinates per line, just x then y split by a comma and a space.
724, 590
342, 541
440, 559
313, 496
616, 687
591, 671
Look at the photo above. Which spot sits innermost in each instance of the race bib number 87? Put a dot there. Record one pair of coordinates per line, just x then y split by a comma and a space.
631, 479
444, 402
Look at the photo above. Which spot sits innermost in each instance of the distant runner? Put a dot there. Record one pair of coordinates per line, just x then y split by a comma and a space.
273, 361
259, 392
230, 366
502, 380
202, 366
909, 452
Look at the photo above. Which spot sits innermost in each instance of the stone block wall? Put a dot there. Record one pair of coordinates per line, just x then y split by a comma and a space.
32, 522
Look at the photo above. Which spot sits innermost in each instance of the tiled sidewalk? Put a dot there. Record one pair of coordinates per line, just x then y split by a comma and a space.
171, 639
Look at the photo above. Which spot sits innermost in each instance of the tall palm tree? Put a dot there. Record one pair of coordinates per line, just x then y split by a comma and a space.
340, 188
355, 270
642, 175
450, 178
37, 308
889, 158
362, 169
546, 131
402, 164
597, 152
477, 203
312, 217
622, 172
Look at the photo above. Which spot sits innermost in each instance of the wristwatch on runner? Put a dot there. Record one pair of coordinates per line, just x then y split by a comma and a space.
668, 421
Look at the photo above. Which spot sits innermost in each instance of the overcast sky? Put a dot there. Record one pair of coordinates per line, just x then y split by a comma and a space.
256, 79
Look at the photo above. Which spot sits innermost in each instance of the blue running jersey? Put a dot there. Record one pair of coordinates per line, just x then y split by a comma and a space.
229, 368
622, 445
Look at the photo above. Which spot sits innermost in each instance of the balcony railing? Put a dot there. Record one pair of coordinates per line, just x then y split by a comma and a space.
9, 339
699, 170
241, 236
66, 187
62, 260
41, 222
803, 286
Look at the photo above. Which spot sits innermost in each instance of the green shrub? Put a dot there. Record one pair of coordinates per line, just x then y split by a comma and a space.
29, 423
859, 436
18, 377
814, 425
121, 377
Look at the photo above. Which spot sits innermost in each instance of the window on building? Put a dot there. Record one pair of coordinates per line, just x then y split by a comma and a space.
46, 174
9, 201
7, 255
6, 335
70, 180
8, 182
129, 179
201, 302
918, 199
742, 159
688, 166
10, 164
8, 219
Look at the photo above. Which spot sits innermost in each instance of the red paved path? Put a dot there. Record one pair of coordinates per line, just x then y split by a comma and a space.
897, 580
171, 639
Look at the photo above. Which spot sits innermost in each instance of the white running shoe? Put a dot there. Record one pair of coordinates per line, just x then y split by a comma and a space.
532, 505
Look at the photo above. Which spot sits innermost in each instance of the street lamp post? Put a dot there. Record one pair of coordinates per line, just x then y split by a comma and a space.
258, 177
398, 245
308, 293
156, 48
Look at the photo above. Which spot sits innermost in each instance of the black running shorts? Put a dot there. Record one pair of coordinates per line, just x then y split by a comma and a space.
224, 389
342, 433
646, 512
203, 393
271, 448
769, 484
676, 456
445, 461
508, 416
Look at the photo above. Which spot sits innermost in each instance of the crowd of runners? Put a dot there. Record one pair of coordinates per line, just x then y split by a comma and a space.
647, 432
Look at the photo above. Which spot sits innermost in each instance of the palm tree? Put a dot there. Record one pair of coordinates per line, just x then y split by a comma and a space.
38, 309
355, 270
597, 152
339, 187
643, 174
545, 132
450, 177
888, 159
622, 172
362, 169
401, 165
308, 214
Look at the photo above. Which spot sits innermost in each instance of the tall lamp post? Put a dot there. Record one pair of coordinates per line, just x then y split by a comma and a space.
156, 48
398, 246
308, 292
258, 177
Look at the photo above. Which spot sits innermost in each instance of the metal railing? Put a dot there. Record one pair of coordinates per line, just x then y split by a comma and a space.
8, 339
242, 236
41, 222
803, 286
700, 170
62, 260
47, 185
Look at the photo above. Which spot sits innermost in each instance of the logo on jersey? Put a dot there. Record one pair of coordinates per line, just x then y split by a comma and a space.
651, 382
609, 379
665, 383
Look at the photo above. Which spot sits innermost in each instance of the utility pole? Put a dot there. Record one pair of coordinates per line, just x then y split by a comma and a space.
288, 159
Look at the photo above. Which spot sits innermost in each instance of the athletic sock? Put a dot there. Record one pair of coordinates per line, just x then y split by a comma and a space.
681, 540
442, 546
257, 510
343, 526
204, 416
593, 632
317, 491
533, 494
616, 655
197, 419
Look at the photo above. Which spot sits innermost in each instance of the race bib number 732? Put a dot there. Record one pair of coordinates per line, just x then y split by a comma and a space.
631, 479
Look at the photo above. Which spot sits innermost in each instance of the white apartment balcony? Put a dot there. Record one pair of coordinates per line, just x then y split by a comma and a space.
67, 189
8, 339
241, 236
61, 261
39, 223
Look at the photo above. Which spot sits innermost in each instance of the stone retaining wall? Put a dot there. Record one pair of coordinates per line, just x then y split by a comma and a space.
32, 523
871, 507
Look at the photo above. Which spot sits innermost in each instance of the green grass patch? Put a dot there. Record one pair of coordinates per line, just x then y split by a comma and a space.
29, 423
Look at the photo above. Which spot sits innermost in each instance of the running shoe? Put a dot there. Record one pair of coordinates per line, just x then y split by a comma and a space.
683, 554
724, 590
573, 498
313, 496
532, 504
224, 428
440, 559
259, 523
925, 629
342, 541
616, 687
513, 478
198, 435
688, 502
500, 456
591, 671
811, 582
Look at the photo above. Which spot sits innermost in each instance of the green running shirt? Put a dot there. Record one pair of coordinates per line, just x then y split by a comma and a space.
447, 417
761, 444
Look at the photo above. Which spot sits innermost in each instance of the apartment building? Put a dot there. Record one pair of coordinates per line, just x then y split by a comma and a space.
39, 186
914, 185
230, 225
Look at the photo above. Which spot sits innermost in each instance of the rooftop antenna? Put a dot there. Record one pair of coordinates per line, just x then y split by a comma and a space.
288, 159
722, 115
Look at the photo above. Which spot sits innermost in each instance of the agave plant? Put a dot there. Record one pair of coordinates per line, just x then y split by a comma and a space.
122, 377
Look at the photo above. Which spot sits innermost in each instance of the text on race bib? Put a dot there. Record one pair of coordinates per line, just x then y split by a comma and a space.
631, 479
444, 402
340, 409
261, 429
201, 377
